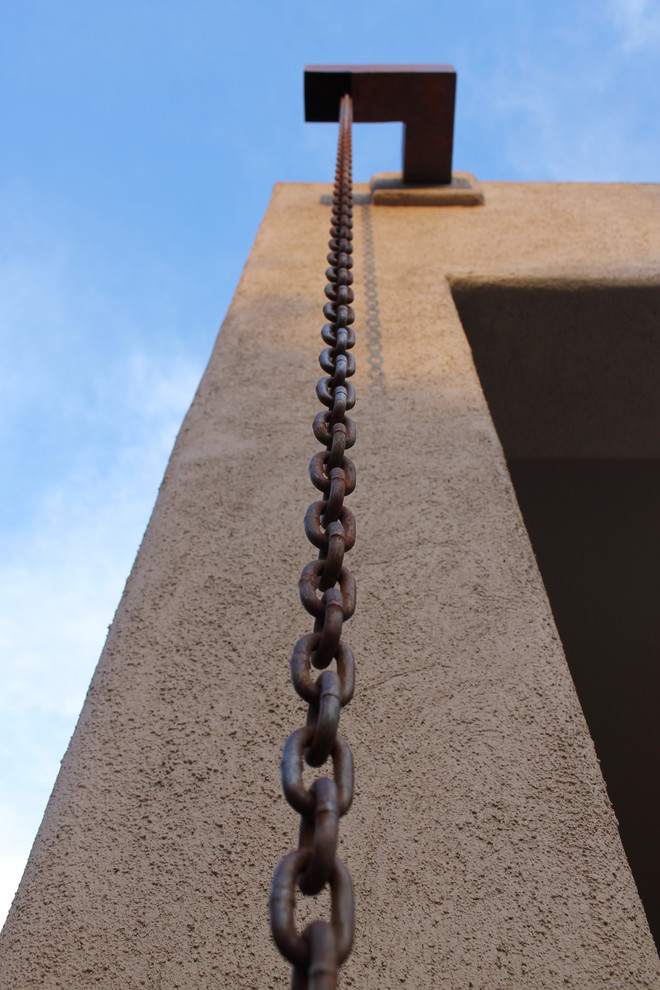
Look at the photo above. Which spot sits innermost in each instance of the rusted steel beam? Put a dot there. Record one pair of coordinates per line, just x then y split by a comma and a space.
421, 96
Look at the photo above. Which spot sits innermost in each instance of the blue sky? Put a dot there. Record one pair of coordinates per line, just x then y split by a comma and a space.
140, 142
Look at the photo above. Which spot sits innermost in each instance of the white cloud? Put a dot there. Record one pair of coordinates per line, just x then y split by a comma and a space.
13, 853
639, 23
100, 399
569, 104
60, 583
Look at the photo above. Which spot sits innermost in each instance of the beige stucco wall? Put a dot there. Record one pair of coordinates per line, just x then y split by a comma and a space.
482, 845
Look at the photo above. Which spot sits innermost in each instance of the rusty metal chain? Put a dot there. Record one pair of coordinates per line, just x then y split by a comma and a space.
327, 591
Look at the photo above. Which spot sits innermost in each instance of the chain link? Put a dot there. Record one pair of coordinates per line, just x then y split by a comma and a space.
327, 591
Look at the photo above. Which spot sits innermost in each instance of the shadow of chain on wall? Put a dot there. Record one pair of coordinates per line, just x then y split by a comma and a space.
372, 315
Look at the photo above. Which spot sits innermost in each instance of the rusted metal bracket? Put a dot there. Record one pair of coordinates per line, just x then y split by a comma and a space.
421, 96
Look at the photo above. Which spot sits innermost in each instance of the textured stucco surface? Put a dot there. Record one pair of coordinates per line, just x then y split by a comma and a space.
482, 844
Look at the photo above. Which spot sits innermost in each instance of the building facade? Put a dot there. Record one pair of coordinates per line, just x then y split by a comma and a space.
508, 357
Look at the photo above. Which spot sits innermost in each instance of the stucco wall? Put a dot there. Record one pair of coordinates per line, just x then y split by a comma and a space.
481, 842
